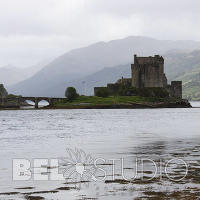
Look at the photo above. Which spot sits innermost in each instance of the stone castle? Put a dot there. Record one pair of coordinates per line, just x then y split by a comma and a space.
147, 72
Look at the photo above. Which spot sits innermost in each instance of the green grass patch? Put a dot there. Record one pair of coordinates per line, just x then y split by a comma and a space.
111, 100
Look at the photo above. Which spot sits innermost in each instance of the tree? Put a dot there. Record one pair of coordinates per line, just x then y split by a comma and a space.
71, 93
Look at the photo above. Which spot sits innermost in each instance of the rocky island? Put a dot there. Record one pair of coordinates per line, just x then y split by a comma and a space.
119, 102
147, 88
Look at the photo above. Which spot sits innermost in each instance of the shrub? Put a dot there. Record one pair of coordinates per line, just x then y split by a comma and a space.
131, 91
13, 96
161, 92
154, 92
102, 92
71, 93
146, 92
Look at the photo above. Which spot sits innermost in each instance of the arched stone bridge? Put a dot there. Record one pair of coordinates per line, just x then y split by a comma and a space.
36, 100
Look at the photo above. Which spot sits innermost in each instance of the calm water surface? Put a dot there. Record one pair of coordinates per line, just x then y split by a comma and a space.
156, 134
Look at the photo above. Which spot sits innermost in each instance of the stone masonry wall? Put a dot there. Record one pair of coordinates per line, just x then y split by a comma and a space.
176, 89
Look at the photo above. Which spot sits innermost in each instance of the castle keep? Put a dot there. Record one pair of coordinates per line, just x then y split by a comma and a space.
147, 75
148, 72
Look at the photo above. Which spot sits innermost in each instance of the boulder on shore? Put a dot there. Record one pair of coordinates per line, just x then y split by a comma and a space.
3, 91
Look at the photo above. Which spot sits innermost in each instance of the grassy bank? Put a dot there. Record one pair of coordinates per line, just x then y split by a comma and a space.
124, 101
94, 100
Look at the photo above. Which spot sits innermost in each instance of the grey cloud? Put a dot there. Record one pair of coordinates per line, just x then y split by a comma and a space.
33, 29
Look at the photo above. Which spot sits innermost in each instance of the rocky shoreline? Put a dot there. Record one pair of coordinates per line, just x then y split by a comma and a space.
13, 106
177, 104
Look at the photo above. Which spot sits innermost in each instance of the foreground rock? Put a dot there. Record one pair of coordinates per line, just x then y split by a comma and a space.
3, 91
4, 102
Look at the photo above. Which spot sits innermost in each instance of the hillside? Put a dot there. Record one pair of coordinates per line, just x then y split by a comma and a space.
79, 63
10, 75
187, 69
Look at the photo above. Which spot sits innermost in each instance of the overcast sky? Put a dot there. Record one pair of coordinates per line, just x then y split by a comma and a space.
35, 30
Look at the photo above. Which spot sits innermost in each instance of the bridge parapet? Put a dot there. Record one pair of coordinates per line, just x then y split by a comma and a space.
36, 100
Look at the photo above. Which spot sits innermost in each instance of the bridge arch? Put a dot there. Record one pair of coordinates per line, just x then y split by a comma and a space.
30, 100
44, 102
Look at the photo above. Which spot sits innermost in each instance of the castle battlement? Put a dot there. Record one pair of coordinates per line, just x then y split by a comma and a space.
148, 60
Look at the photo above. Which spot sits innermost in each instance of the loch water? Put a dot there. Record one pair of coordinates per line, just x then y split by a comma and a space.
107, 136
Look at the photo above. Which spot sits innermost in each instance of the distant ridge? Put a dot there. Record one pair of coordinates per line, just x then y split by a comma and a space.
80, 63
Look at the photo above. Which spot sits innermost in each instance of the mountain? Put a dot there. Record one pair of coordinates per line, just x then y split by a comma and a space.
79, 63
85, 85
10, 75
179, 65
185, 67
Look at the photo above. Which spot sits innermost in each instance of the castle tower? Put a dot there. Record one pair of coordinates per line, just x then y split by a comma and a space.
148, 72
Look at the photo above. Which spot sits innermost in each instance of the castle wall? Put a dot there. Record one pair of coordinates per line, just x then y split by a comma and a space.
96, 89
165, 81
113, 88
175, 89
